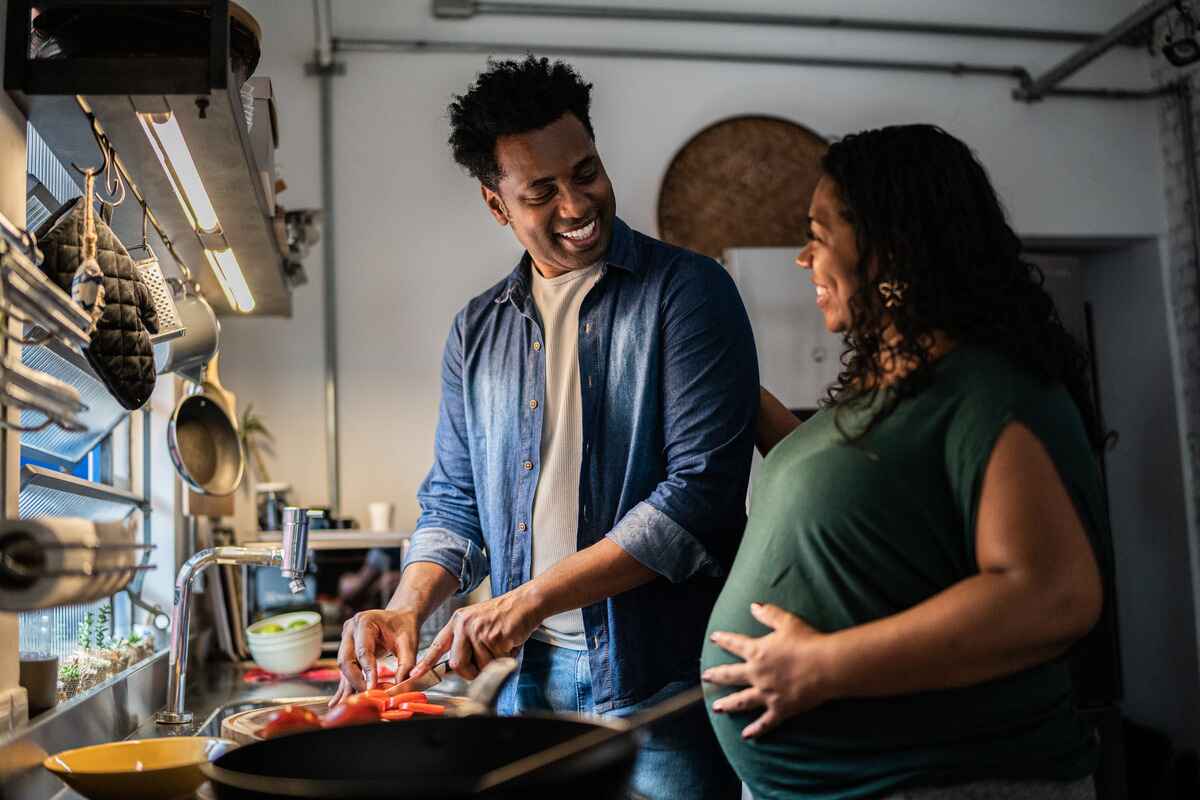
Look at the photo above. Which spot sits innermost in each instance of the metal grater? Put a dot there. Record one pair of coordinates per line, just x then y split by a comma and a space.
169, 324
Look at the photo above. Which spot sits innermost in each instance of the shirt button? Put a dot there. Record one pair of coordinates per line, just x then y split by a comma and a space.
533, 404
537, 345
587, 328
521, 526
528, 465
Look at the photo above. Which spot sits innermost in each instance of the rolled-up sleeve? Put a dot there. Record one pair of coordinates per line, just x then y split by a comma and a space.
448, 531
691, 524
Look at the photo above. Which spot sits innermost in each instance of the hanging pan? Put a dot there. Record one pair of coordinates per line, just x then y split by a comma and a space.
203, 440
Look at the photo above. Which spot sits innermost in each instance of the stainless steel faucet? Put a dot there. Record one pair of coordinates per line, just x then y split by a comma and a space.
292, 559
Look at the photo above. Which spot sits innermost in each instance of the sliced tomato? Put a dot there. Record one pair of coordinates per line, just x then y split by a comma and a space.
379, 703
395, 716
350, 714
289, 719
422, 708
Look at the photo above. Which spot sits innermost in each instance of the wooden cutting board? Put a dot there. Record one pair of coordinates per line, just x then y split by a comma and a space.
246, 727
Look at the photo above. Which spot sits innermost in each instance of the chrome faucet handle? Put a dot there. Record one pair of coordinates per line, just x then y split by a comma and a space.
295, 547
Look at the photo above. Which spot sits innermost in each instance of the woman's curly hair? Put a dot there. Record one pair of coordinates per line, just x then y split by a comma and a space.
513, 97
925, 213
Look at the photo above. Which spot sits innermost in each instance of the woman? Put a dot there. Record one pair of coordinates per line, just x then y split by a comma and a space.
920, 554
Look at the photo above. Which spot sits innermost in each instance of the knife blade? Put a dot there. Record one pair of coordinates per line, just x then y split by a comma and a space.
426, 681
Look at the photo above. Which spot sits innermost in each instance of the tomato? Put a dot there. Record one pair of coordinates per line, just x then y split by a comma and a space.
290, 719
378, 702
396, 716
350, 714
422, 708
406, 697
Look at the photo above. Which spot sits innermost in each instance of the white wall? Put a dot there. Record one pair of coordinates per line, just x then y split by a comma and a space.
413, 241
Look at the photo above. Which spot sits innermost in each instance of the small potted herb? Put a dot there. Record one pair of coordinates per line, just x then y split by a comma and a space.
69, 679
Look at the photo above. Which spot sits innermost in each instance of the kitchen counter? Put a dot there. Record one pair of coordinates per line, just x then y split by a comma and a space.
123, 709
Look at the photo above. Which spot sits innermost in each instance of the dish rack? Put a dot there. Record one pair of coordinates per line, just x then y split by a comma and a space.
47, 316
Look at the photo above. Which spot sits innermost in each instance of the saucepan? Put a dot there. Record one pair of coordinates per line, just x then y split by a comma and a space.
478, 755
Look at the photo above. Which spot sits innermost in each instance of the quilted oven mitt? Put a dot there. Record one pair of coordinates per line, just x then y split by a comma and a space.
120, 352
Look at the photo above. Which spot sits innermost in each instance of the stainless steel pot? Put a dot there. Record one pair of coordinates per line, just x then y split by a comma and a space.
187, 354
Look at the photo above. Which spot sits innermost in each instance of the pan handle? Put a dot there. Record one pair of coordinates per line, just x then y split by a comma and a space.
491, 679
563, 750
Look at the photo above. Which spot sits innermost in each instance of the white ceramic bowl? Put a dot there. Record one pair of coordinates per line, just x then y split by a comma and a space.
287, 658
291, 651
311, 619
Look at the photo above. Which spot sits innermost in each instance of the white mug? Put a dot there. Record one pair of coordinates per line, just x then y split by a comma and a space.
382, 514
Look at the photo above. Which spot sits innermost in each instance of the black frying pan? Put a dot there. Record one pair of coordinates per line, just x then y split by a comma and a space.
427, 758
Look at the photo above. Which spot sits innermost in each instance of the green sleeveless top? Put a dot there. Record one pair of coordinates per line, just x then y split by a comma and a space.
846, 534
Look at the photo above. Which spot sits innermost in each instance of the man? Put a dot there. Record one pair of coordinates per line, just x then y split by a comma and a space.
592, 449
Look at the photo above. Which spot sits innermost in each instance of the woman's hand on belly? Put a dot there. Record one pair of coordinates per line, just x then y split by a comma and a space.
785, 672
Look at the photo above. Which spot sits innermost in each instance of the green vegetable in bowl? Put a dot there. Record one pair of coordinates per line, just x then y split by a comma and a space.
297, 623
270, 627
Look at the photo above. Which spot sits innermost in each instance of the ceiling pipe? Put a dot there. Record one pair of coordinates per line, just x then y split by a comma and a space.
325, 68
488, 48
1041, 86
465, 9
958, 69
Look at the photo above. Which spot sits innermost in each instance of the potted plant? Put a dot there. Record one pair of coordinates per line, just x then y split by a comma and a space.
255, 439
69, 678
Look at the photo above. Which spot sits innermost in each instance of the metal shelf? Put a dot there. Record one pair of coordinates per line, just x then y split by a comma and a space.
104, 412
45, 492
45, 90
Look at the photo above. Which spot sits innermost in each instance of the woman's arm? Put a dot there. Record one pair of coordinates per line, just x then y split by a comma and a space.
774, 422
1037, 591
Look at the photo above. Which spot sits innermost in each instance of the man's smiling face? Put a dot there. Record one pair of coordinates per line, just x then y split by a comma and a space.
555, 194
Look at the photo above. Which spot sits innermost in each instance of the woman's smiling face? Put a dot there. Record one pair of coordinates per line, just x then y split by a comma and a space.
832, 256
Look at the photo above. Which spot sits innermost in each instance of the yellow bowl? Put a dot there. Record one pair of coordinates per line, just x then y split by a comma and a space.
141, 769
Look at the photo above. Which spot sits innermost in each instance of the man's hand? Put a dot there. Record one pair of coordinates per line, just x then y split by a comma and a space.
786, 670
477, 634
369, 635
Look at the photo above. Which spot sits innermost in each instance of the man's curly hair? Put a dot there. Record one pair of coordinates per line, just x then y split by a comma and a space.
923, 209
513, 97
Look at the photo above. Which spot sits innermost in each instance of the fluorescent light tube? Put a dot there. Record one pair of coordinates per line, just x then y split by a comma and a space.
229, 274
166, 139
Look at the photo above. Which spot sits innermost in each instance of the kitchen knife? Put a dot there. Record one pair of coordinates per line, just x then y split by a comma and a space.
426, 681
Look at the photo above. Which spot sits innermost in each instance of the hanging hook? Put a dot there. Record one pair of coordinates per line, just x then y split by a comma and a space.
145, 243
114, 185
104, 154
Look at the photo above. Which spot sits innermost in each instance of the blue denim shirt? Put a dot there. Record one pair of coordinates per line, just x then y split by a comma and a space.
669, 381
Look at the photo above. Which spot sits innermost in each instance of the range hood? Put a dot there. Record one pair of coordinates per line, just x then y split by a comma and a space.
196, 88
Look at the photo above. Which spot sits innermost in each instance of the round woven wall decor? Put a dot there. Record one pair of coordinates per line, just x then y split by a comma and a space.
741, 182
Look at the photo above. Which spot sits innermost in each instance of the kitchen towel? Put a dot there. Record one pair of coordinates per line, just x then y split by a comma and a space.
35, 545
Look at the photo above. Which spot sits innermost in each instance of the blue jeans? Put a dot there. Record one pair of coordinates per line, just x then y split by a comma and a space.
679, 759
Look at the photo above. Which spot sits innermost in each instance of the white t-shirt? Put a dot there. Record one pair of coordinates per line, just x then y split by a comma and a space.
556, 498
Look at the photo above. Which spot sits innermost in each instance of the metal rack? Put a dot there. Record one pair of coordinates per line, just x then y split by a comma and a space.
46, 314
